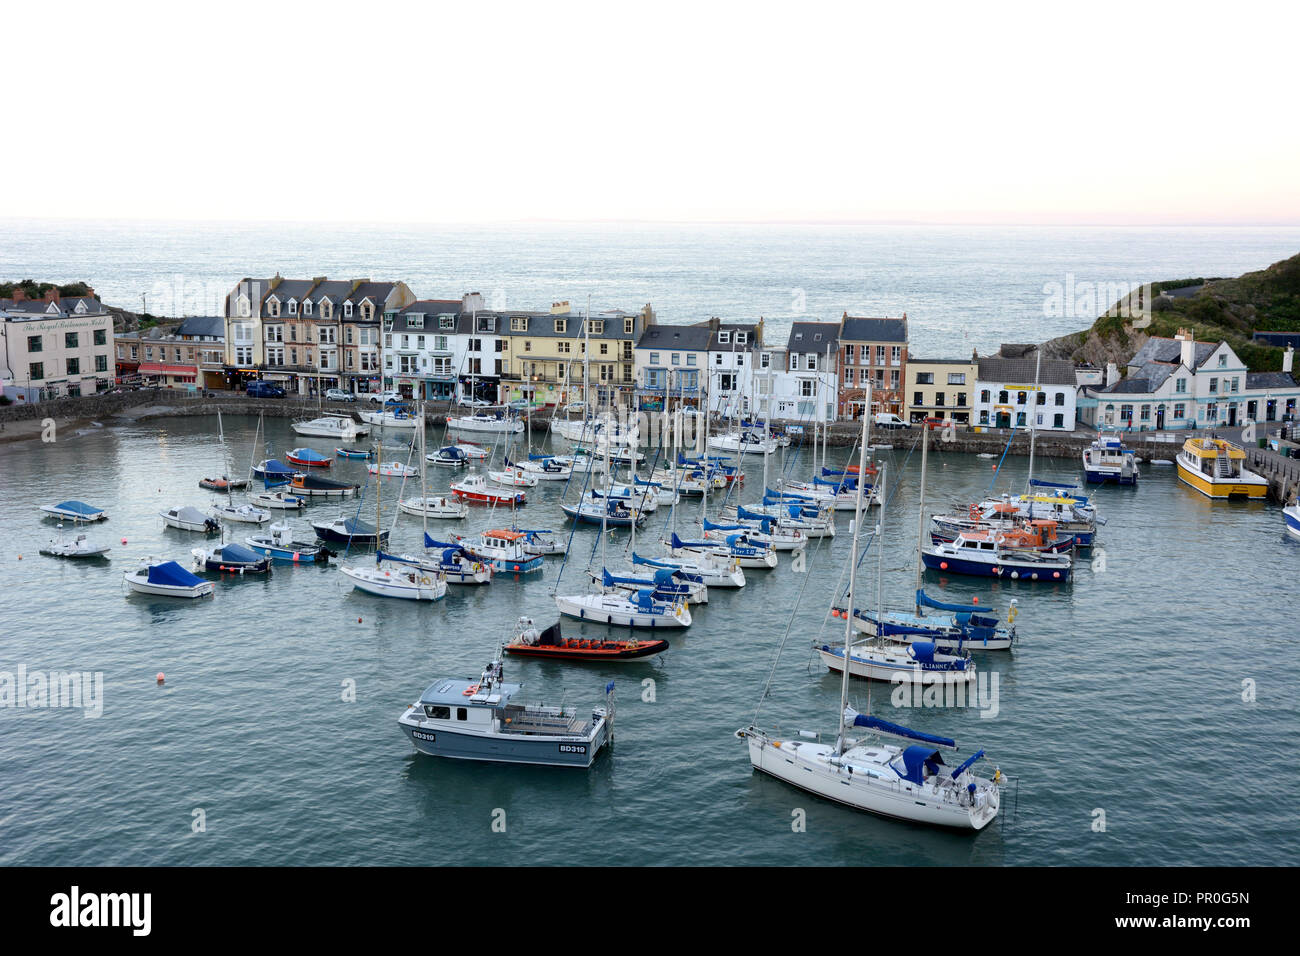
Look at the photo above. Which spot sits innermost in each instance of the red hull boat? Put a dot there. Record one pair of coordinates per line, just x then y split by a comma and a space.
476, 490
552, 645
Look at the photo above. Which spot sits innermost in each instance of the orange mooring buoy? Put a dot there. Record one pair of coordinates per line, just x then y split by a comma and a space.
161, 678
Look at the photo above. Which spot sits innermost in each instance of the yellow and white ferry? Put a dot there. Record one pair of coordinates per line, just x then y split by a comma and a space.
1214, 467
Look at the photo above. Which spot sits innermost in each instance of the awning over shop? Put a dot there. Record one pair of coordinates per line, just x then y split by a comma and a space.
148, 369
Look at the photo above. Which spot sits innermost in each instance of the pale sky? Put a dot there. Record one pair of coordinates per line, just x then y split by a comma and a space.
1005, 113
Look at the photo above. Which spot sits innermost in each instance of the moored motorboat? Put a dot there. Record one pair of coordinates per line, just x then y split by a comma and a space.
187, 518
231, 558
503, 549
341, 427
359, 454
551, 644
318, 486
166, 579
1291, 518
392, 469
308, 458
1108, 460
1216, 468
482, 720
451, 455
240, 514
79, 546
475, 489
75, 511
279, 545
434, 506
277, 500
982, 553
350, 531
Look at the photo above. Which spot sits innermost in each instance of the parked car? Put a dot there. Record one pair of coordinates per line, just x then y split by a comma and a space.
932, 423
339, 395
888, 420
261, 389
475, 403
383, 398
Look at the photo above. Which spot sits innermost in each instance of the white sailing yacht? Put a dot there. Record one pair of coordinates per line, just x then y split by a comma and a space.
905, 781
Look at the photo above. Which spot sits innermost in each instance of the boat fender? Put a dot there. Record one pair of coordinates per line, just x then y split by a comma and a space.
425, 580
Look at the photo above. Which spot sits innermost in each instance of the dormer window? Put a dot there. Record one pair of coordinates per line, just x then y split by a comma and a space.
347, 310
293, 306
368, 311
446, 321
306, 307
326, 309
273, 307
627, 326
740, 338
561, 326
595, 327
724, 338
244, 309
518, 324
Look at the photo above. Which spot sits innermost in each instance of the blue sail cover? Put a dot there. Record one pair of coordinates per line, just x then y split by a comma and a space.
925, 600
965, 764
788, 495
452, 453
172, 574
898, 730
916, 759
645, 599
923, 651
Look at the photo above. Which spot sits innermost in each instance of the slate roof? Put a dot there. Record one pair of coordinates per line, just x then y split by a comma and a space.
856, 329
200, 325
749, 328
288, 289
40, 307
376, 292
1269, 380
689, 338
1021, 371
1159, 349
813, 337
335, 290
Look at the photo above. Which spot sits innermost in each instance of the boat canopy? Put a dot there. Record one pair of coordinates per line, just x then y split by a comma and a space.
237, 552
171, 574
916, 760
78, 508
922, 651
274, 467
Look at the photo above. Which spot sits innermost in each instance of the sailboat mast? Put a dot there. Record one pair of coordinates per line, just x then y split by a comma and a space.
848, 616
424, 483
826, 425
1033, 415
920, 513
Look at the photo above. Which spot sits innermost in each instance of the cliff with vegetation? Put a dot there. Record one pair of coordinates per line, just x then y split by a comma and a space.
1231, 310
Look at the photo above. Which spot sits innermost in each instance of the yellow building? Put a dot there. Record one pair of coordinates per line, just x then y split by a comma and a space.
940, 388
547, 351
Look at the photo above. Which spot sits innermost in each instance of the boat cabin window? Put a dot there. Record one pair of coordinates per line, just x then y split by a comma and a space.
435, 712
462, 713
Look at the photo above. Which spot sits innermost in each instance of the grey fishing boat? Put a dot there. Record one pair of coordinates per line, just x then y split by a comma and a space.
481, 720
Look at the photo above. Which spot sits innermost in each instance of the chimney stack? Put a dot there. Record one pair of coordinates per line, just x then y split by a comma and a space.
1187, 354
52, 295
20, 294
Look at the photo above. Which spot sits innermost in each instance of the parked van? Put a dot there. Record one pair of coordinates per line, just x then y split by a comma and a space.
888, 420
261, 389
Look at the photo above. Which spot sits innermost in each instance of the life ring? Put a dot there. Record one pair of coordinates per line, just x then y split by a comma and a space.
425, 580
470, 691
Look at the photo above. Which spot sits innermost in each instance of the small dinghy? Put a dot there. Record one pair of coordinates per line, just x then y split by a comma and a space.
223, 483
393, 469
281, 547
448, 509
278, 500
166, 579
361, 454
231, 559
75, 511
78, 547
308, 458
553, 645
241, 514
187, 518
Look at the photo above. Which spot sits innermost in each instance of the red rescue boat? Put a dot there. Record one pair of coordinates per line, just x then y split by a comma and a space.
553, 645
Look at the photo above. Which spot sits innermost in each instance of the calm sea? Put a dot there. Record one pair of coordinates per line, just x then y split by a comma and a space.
1150, 696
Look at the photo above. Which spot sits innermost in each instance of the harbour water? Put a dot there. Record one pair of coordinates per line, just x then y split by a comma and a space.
1151, 694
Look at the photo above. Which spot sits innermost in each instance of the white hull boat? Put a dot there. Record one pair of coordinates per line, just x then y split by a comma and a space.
341, 427
489, 424
621, 611
448, 509
190, 519
900, 663
166, 579
412, 584
514, 478
393, 469
277, 500
241, 514
78, 547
